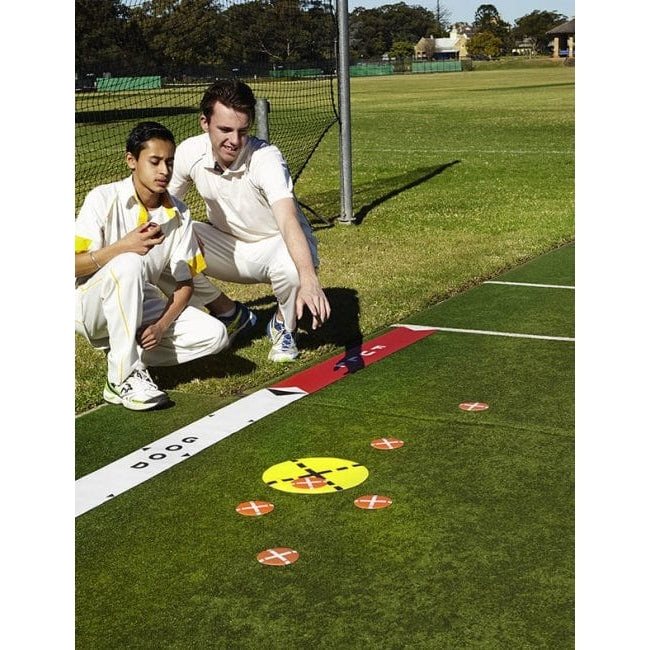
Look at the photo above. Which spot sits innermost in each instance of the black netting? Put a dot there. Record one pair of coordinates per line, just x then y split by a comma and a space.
153, 60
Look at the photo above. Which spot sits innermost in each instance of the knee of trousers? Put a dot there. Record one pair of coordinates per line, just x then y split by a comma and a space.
210, 333
285, 280
127, 265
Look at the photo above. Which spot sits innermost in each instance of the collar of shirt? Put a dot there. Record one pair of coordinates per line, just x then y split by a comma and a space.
130, 199
238, 166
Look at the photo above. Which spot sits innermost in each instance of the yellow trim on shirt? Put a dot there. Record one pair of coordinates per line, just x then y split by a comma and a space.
81, 244
167, 204
143, 215
197, 264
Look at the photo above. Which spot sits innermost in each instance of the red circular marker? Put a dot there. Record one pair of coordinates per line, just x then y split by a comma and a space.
387, 443
473, 406
254, 508
372, 502
309, 482
279, 556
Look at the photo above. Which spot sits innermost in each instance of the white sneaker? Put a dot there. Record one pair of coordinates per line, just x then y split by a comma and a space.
137, 392
284, 346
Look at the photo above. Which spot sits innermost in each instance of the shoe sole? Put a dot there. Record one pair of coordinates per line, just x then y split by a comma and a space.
282, 358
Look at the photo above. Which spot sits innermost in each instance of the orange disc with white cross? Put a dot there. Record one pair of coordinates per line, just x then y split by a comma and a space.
372, 502
309, 482
279, 556
387, 443
473, 406
254, 508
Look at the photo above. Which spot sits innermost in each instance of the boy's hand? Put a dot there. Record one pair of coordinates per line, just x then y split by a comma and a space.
149, 336
143, 238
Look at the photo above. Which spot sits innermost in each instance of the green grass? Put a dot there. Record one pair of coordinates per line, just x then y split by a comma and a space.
456, 176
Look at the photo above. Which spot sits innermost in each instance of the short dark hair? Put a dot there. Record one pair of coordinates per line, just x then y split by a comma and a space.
145, 131
232, 93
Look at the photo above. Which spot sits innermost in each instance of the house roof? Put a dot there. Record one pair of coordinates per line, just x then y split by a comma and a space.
565, 28
446, 43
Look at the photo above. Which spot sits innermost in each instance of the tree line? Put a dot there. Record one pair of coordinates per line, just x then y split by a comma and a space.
181, 37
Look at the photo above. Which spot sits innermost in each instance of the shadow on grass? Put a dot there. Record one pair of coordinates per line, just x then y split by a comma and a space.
215, 366
371, 194
341, 330
407, 181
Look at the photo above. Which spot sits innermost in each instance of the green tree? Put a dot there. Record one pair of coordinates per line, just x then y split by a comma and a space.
534, 27
101, 36
401, 50
487, 19
181, 32
276, 32
484, 44
374, 31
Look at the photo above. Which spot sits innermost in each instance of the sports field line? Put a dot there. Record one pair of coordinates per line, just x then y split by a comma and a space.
512, 152
515, 335
530, 284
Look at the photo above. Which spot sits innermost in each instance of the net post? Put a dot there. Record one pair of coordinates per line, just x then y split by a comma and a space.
345, 139
262, 119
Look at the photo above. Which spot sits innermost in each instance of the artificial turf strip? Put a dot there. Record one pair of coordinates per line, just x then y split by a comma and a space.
475, 550
517, 309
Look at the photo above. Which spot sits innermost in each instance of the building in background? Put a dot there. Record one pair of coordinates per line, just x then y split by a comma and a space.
429, 48
564, 39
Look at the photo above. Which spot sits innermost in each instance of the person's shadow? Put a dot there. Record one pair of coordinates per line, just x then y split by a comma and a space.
369, 195
341, 330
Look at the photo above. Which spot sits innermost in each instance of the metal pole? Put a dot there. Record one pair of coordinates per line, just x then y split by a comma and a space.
262, 119
345, 139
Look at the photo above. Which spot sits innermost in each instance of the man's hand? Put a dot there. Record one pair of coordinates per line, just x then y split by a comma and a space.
316, 301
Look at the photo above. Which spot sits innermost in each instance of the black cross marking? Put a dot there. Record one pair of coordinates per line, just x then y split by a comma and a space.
313, 472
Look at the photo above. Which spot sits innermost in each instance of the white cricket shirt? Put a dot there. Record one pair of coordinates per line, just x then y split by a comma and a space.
111, 211
238, 199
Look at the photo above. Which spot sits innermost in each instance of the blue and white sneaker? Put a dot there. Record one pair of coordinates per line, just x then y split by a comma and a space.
284, 346
242, 320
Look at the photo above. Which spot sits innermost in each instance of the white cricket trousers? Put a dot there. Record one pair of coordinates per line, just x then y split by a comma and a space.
117, 299
231, 260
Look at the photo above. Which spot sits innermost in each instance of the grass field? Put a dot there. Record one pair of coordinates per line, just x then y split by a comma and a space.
464, 196
457, 177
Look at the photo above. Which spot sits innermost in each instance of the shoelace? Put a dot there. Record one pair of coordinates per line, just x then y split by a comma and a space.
287, 339
145, 378
141, 375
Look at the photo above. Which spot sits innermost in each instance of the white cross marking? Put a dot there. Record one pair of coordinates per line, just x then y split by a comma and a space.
252, 506
280, 556
375, 499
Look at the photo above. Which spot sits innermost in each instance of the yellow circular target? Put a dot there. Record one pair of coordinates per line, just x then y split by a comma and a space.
323, 475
